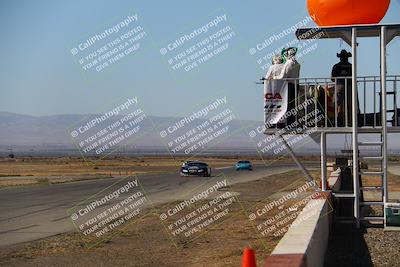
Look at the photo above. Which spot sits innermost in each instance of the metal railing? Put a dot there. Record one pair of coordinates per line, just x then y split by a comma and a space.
331, 101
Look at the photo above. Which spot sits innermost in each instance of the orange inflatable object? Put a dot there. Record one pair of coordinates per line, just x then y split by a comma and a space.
347, 12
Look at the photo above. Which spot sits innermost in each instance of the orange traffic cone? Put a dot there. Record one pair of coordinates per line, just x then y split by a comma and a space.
249, 258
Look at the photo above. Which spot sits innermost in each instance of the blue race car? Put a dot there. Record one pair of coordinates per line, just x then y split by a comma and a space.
243, 165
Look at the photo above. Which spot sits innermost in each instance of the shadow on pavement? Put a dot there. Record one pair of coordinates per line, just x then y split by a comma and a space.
347, 247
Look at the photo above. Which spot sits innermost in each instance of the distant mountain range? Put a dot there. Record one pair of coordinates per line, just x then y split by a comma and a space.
53, 132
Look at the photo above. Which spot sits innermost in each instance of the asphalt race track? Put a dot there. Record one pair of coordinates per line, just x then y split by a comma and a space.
33, 212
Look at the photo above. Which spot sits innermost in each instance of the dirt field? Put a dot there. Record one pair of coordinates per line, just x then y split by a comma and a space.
43, 170
147, 243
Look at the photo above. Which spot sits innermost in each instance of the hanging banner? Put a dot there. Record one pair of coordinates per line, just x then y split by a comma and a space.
275, 101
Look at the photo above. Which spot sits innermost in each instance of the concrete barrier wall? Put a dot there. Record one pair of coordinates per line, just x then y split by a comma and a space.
305, 243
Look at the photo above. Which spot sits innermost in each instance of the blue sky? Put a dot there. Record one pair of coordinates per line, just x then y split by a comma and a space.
39, 76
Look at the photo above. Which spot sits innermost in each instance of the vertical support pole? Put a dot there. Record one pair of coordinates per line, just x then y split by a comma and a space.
375, 122
336, 105
396, 123
355, 128
324, 178
384, 114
